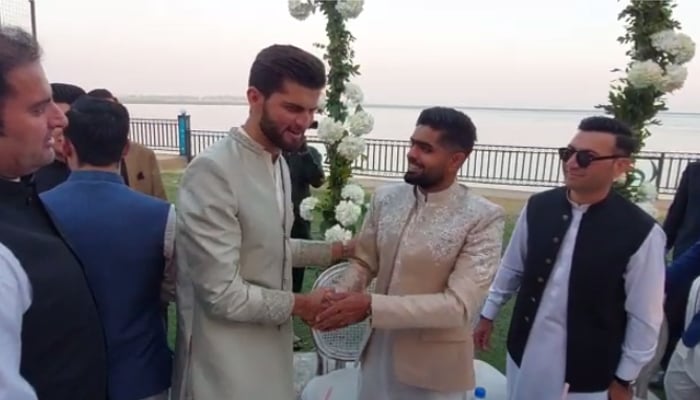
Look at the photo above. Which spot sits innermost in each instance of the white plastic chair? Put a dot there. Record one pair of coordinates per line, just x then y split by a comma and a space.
339, 347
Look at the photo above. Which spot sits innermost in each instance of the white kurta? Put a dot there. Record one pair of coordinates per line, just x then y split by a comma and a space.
15, 299
377, 377
545, 352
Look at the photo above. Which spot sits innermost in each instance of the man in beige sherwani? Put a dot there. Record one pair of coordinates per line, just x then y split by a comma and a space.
434, 247
234, 249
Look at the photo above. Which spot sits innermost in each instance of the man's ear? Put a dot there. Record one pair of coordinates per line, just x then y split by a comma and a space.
457, 159
127, 146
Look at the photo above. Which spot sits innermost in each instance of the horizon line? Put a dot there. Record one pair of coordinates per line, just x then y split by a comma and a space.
239, 101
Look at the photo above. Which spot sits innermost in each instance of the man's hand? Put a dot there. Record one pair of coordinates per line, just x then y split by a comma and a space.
617, 391
482, 334
346, 309
307, 306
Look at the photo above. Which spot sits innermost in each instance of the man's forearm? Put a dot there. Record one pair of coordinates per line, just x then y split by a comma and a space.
317, 253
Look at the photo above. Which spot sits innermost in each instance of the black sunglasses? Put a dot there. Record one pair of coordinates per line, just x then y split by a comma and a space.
584, 158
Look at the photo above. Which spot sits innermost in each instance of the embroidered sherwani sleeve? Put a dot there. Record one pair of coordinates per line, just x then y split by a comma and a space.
365, 262
644, 285
466, 287
510, 273
209, 237
311, 252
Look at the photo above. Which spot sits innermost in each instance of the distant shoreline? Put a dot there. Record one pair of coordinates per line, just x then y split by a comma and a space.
232, 101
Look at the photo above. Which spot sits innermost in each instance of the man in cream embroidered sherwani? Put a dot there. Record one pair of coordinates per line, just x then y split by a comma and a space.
234, 249
434, 247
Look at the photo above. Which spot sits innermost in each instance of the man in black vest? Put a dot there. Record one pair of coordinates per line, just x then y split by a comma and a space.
48, 176
588, 269
63, 345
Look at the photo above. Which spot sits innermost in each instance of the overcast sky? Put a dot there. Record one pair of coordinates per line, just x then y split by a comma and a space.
510, 53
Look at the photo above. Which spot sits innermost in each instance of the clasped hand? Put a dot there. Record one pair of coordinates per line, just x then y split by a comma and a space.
329, 310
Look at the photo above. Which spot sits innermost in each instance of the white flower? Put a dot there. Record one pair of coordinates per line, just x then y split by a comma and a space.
647, 192
674, 78
306, 208
351, 147
360, 123
649, 207
684, 50
330, 131
337, 233
353, 94
300, 9
347, 213
643, 74
354, 193
679, 45
349, 8
663, 40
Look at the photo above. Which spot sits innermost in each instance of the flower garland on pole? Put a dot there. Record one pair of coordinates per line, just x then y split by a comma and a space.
658, 55
344, 124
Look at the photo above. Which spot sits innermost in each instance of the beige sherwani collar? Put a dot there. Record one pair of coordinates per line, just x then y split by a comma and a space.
436, 197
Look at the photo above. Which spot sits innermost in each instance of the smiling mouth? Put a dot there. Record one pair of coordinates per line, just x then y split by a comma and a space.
295, 134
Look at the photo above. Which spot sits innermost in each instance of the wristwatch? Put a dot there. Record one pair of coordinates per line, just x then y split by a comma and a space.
622, 382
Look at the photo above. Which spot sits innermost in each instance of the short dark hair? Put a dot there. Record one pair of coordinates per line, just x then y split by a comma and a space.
98, 129
66, 93
458, 130
279, 63
17, 48
102, 94
625, 141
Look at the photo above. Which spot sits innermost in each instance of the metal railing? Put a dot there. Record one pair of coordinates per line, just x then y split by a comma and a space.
515, 166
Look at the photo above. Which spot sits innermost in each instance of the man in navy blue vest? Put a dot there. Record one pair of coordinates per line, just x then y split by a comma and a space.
588, 268
125, 240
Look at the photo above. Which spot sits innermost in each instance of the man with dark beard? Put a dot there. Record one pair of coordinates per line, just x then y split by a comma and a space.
234, 251
433, 246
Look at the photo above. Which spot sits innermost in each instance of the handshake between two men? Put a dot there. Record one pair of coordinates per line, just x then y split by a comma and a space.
326, 309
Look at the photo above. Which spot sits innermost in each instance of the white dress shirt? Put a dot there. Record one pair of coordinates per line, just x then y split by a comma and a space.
545, 352
15, 298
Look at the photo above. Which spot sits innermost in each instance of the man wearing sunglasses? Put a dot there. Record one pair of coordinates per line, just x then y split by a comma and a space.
588, 269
